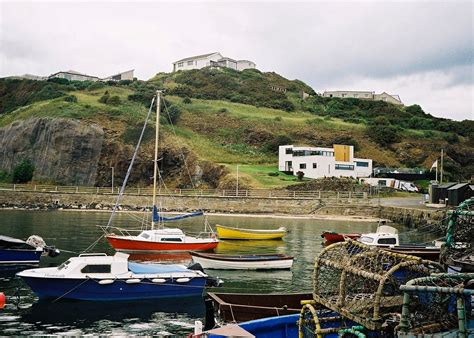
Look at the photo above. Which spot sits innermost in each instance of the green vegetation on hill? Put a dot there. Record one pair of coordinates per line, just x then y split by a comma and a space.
227, 117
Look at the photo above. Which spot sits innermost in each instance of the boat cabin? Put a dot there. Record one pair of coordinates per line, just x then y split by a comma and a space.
94, 264
384, 236
163, 235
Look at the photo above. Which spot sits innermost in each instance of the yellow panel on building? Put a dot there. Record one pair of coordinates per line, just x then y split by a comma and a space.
342, 153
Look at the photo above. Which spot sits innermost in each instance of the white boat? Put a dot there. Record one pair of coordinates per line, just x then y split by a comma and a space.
100, 277
242, 262
158, 238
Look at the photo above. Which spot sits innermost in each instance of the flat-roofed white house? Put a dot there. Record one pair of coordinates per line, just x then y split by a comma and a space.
211, 60
127, 75
364, 95
317, 162
72, 75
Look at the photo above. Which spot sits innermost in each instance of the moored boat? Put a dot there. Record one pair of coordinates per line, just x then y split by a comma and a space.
16, 253
238, 233
386, 238
334, 237
242, 262
99, 277
240, 307
158, 238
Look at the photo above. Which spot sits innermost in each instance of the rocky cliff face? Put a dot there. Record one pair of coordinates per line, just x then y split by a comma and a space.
62, 150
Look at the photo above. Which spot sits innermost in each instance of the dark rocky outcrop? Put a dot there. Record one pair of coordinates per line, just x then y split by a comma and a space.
65, 151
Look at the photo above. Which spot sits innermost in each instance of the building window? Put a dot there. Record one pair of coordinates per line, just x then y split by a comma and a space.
362, 164
302, 165
344, 167
190, 63
315, 165
289, 151
180, 64
105, 268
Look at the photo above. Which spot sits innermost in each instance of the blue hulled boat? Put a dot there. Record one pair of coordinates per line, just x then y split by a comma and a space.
100, 277
16, 253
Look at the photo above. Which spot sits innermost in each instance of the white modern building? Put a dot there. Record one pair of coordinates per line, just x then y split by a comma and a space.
72, 75
364, 95
211, 60
317, 162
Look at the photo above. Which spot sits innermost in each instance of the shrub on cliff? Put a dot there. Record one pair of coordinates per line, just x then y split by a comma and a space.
23, 172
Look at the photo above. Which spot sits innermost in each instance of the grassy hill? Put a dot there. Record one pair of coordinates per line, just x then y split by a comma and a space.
235, 118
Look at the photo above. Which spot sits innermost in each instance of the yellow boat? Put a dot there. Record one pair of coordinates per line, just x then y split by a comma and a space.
238, 233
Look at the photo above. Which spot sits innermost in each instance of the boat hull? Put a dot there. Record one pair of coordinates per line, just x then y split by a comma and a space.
236, 233
235, 307
19, 257
135, 246
247, 262
118, 290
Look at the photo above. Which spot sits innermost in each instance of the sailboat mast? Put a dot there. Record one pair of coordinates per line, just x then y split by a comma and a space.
155, 170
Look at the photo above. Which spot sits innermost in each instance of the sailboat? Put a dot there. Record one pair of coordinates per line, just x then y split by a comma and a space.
158, 238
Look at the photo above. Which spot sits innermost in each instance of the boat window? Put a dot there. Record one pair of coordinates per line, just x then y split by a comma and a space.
387, 241
171, 239
365, 239
145, 235
96, 268
64, 265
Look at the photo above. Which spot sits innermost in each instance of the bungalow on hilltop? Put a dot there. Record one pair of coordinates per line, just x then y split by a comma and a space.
364, 95
211, 60
72, 75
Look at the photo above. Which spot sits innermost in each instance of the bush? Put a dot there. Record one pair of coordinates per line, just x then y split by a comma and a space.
383, 134
23, 172
300, 175
187, 100
114, 100
104, 98
172, 114
5, 176
96, 85
70, 98
223, 111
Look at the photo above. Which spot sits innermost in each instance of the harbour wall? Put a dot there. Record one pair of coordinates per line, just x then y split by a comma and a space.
412, 217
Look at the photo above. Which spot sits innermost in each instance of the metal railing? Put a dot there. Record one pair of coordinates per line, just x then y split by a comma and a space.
251, 193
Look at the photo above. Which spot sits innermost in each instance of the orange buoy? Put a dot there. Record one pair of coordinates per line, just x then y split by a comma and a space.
2, 300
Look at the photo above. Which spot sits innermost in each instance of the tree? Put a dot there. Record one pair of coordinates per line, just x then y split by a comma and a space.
23, 172
104, 98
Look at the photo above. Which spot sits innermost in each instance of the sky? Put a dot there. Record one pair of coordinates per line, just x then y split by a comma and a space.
420, 50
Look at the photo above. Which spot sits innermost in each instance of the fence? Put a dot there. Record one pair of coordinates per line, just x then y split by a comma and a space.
253, 193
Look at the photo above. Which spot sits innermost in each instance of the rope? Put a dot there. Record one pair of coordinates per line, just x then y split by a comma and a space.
93, 244
68, 292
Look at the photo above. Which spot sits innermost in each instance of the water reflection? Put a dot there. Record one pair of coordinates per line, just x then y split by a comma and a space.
66, 312
166, 258
250, 246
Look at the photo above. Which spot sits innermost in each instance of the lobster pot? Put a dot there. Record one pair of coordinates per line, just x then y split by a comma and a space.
362, 283
439, 303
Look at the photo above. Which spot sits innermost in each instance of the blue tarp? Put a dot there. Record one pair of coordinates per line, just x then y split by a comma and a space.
159, 218
140, 268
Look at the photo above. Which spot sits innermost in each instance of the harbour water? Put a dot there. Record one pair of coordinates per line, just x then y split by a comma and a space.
75, 231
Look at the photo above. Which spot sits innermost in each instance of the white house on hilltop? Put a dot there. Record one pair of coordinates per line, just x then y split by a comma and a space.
364, 95
211, 60
317, 162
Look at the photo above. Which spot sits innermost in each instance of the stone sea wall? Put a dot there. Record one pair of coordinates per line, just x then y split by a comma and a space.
240, 205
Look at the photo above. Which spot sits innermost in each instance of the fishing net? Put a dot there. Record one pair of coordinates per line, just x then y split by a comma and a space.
459, 249
362, 283
438, 303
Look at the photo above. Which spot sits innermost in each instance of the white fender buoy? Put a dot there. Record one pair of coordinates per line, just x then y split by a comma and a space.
183, 280
106, 281
133, 281
158, 280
